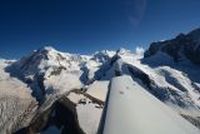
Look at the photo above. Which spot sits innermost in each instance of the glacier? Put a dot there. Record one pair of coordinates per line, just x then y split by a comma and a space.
37, 88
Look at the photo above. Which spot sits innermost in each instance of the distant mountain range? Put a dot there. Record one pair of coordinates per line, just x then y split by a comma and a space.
49, 91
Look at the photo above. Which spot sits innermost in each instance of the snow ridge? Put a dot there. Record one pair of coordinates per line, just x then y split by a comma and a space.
47, 75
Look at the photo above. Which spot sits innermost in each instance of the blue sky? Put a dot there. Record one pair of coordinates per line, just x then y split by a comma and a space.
85, 26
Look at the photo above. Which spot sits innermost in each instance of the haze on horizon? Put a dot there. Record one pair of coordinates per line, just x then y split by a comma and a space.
87, 26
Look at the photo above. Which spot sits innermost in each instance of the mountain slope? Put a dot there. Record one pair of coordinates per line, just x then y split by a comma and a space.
17, 106
78, 84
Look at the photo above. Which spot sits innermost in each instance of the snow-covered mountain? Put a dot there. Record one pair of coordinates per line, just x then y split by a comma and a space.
50, 91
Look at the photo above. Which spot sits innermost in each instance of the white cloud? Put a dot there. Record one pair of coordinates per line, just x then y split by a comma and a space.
139, 50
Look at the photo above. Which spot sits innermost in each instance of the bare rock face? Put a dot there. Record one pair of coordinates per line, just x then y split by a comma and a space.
61, 116
55, 92
182, 46
194, 120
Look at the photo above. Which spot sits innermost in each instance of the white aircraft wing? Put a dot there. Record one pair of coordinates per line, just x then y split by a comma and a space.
130, 109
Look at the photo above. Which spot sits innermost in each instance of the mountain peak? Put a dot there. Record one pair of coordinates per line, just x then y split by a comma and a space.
195, 31
81, 82
123, 51
182, 47
46, 49
195, 34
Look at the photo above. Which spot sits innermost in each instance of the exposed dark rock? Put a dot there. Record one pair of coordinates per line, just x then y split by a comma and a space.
93, 99
101, 57
197, 88
84, 77
194, 120
82, 101
173, 81
57, 70
114, 59
117, 73
106, 67
183, 45
144, 80
153, 49
108, 63
161, 93
29, 66
61, 57
137, 73
62, 115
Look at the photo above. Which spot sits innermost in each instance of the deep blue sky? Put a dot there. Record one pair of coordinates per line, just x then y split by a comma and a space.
85, 26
